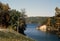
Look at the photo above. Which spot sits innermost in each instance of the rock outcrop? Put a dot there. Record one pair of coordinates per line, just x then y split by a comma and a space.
42, 28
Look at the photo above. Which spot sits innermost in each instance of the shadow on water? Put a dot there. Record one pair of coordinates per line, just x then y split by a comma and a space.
39, 35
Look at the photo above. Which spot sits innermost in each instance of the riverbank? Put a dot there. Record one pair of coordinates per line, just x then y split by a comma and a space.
7, 35
51, 30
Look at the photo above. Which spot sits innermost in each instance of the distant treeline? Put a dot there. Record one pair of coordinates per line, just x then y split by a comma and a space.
38, 20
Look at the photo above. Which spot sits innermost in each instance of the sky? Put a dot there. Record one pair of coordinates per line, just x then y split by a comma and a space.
34, 7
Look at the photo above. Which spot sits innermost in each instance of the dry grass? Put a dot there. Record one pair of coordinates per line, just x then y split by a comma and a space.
13, 36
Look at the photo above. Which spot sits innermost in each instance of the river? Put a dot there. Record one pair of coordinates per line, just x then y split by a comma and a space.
39, 35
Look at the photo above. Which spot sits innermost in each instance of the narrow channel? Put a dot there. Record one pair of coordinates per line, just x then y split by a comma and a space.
39, 35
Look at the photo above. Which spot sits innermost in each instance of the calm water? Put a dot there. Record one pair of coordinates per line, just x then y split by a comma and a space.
39, 35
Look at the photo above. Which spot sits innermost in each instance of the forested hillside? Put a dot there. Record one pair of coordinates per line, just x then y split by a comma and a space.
38, 20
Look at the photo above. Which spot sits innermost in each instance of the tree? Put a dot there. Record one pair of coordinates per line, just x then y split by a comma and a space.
14, 16
23, 13
16, 19
57, 12
11, 17
4, 15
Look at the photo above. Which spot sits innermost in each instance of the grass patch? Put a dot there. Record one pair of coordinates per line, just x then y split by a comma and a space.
13, 36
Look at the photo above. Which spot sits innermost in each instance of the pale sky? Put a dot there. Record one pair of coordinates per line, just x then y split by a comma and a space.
34, 7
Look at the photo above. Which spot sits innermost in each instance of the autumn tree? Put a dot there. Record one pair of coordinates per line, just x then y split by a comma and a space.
4, 15
57, 12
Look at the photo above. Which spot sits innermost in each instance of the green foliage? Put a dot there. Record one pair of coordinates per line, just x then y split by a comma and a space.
14, 16
10, 17
38, 20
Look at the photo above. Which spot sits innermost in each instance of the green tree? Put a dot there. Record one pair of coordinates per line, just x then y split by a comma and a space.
14, 16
